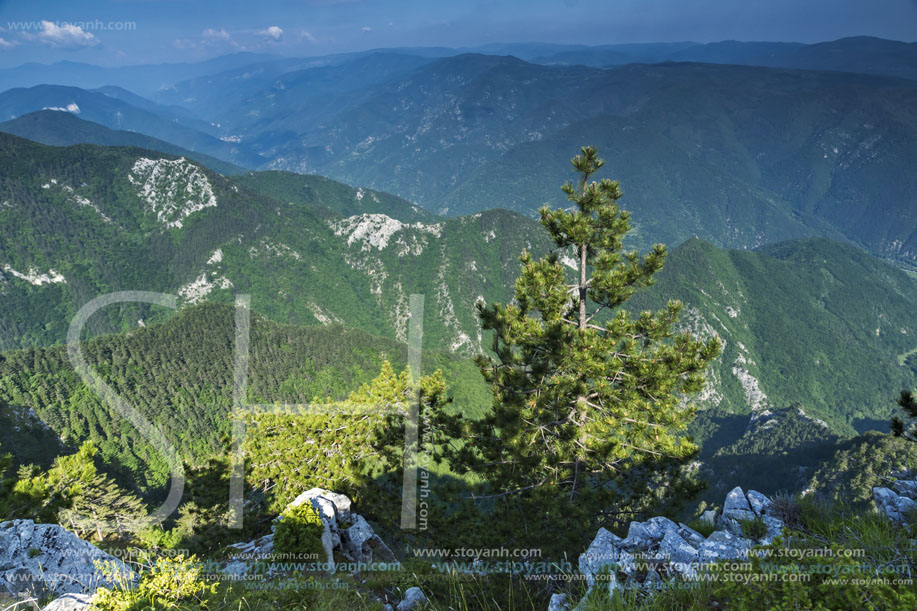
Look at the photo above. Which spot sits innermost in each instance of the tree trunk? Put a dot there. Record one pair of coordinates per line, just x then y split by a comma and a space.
583, 249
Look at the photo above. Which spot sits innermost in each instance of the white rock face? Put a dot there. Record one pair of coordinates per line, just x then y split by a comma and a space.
47, 559
202, 286
754, 396
172, 189
82, 201
568, 261
373, 231
35, 277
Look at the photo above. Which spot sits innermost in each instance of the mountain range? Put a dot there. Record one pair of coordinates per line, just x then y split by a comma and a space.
740, 155
803, 322
779, 175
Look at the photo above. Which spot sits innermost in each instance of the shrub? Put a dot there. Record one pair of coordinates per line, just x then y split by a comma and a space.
168, 583
755, 528
785, 507
299, 531
704, 527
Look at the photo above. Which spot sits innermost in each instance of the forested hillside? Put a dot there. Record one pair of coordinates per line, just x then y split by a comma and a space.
86, 220
178, 374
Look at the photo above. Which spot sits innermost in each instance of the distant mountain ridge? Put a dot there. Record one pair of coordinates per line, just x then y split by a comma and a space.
739, 155
117, 114
742, 156
56, 128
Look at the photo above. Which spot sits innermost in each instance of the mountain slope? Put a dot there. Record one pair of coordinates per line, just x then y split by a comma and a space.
86, 220
57, 128
808, 322
803, 322
251, 98
313, 190
179, 375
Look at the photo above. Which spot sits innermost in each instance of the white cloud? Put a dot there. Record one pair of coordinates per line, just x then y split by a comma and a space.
211, 35
209, 38
7, 44
65, 35
274, 32
366, 28
71, 107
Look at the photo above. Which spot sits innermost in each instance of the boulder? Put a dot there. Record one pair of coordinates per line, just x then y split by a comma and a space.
604, 550
249, 551
606, 554
642, 534
735, 508
675, 549
414, 599
331, 506
344, 530
559, 602
690, 535
70, 602
893, 505
759, 503
45, 559
906, 488
361, 544
666, 549
723, 545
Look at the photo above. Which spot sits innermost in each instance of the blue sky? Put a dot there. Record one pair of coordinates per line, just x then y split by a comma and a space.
118, 32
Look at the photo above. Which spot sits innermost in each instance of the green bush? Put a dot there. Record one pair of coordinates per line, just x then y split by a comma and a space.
754, 528
299, 531
182, 584
704, 527
167, 583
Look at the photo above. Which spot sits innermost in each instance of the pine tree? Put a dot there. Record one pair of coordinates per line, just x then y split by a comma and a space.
72, 493
586, 397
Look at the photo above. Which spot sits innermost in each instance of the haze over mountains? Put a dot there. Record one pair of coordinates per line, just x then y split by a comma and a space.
213, 179
738, 155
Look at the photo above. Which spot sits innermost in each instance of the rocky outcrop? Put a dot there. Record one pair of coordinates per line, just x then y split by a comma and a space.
345, 531
414, 600
899, 501
44, 559
660, 549
70, 602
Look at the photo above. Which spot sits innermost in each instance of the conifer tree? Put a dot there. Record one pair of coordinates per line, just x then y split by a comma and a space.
584, 393
72, 493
